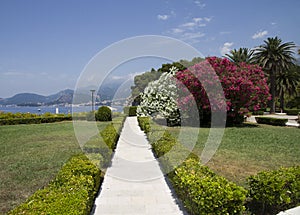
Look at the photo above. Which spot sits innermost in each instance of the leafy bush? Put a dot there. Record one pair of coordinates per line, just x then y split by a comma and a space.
110, 136
292, 111
274, 191
132, 111
104, 114
71, 192
35, 120
258, 112
144, 123
271, 121
203, 192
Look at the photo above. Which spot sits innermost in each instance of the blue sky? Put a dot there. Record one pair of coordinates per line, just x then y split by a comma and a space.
44, 45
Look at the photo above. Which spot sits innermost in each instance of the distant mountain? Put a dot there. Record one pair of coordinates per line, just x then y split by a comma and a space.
106, 92
32, 99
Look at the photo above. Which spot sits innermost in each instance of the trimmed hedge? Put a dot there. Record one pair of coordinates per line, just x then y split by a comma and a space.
275, 191
144, 123
271, 121
110, 136
35, 120
132, 111
292, 111
71, 192
203, 192
200, 190
103, 114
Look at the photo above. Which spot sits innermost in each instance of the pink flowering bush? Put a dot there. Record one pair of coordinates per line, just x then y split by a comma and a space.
244, 88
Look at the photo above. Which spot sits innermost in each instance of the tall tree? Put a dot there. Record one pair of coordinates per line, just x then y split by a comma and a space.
287, 82
274, 56
240, 55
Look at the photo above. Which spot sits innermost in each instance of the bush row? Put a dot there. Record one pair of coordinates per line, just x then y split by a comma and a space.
292, 111
271, 121
144, 123
71, 192
201, 190
275, 191
130, 110
110, 136
35, 120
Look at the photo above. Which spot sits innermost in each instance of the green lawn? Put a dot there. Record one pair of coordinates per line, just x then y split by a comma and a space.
31, 155
244, 150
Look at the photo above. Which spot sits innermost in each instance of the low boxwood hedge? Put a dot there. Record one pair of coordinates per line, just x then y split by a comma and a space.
203, 192
34, 120
71, 192
274, 191
292, 111
271, 121
132, 110
200, 190
110, 136
144, 123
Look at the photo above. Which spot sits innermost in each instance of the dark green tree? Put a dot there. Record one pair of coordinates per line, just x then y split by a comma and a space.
287, 82
274, 57
240, 55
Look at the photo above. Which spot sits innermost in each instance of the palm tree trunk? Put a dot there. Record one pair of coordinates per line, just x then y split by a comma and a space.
272, 90
282, 101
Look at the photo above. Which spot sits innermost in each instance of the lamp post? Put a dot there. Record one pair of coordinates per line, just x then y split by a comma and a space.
93, 91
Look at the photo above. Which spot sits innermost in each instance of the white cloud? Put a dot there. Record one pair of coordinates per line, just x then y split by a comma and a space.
273, 23
225, 32
188, 36
207, 19
189, 24
200, 4
163, 17
177, 30
259, 34
197, 19
226, 48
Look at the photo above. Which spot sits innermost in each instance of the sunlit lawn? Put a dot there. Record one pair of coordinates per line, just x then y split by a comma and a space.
31, 155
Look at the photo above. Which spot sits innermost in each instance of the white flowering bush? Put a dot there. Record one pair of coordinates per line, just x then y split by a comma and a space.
160, 98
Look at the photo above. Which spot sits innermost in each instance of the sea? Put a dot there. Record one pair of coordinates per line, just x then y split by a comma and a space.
53, 109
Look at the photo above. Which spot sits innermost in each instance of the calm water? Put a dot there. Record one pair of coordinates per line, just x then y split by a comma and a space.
45, 109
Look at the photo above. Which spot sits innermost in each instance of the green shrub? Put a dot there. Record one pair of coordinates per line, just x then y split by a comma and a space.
132, 110
292, 111
203, 192
71, 192
258, 112
144, 123
274, 191
103, 114
35, 120
271, 121
110, 136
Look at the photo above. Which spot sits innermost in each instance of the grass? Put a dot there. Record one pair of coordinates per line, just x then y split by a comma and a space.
243, 151
31, 155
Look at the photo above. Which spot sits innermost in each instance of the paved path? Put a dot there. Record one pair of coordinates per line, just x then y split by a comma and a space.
134, 184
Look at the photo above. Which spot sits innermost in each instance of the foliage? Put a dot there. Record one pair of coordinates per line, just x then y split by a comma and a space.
287, 82
132, 111
159, 98
110, 136
274, 191
203, 192
35, 120
103, 114
244, 86
144, 124
240, 55
71, 192
292, 111
90, 116
271, 121
274, 56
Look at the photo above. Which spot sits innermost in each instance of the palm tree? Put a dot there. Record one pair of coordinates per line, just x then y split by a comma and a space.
287, 82
240, 55
274, 56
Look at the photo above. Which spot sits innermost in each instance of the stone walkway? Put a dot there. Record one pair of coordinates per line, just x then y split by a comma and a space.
134, 184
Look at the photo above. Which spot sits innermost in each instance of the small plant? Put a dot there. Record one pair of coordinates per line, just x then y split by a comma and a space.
103, 114
132, 111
